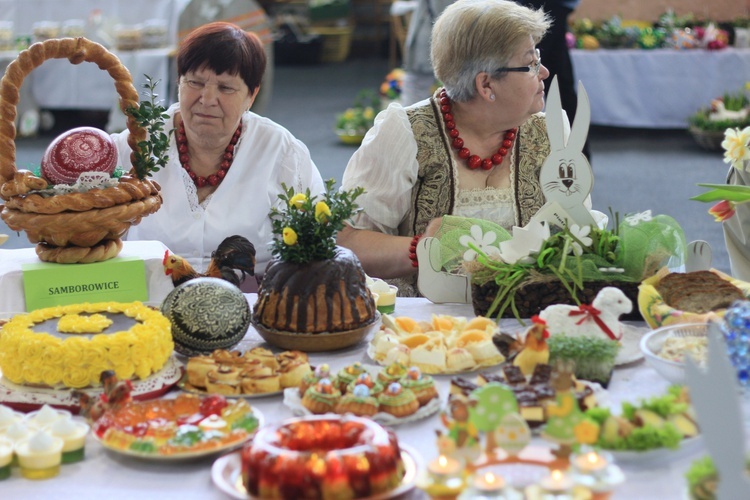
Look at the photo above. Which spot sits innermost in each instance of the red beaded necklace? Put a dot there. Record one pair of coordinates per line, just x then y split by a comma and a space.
474, 161
226, 162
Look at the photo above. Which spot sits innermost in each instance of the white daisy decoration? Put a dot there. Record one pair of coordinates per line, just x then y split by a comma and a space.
635, 219
582, 234
483, 241
525, 242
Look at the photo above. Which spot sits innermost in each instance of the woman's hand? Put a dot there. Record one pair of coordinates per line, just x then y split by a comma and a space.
382, 255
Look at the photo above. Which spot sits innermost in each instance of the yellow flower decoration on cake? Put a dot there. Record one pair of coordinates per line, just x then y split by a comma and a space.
28, 357
75, 323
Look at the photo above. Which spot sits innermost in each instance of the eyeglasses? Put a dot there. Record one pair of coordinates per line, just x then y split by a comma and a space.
532, 68
199, 85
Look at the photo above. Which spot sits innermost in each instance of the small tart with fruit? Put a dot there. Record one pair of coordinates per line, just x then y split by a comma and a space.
358, 402
398, 401
321, 398
313, 377
392, 373
349, 375
423, 386
366, 379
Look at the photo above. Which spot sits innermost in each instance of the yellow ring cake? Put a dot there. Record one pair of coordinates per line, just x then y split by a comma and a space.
32, 357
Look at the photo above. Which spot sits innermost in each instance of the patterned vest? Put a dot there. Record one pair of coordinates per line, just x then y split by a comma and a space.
435, 191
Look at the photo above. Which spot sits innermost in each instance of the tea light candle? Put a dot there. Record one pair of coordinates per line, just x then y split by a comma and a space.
444, 478
556, 482
444, 466
590, 462
488, 483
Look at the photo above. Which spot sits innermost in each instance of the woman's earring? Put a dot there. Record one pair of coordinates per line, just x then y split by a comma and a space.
492, 97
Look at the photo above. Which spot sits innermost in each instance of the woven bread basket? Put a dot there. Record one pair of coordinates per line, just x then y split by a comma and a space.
76, 227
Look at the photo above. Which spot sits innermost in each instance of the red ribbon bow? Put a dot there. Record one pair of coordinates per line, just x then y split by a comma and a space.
591, 312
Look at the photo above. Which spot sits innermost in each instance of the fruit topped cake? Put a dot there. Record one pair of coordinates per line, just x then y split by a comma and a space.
72, 345
313, 286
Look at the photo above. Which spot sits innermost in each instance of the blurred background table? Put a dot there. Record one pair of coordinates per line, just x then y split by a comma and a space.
658, 88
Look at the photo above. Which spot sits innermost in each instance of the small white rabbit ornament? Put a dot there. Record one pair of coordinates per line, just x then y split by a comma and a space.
566, 177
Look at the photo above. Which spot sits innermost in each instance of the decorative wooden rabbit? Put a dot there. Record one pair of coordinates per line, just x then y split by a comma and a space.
566, 175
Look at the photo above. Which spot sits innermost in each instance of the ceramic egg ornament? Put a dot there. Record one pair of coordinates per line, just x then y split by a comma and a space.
79, 150
206, 314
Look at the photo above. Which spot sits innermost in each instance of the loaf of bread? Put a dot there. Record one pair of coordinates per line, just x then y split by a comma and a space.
698, 291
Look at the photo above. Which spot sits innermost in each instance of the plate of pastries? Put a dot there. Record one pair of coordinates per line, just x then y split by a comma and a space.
443, 345
257, 372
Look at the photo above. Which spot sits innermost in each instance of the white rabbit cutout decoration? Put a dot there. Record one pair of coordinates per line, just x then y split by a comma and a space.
566, 176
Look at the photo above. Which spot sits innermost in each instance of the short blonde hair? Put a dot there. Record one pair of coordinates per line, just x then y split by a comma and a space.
472, 36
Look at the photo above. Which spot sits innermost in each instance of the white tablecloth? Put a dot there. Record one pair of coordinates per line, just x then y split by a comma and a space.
657, 88
118, 477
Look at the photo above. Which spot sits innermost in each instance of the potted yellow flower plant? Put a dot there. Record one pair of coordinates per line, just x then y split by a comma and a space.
314, 294
353, 124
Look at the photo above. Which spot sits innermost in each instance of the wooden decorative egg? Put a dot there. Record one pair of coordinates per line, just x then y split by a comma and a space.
82, 149
206, 314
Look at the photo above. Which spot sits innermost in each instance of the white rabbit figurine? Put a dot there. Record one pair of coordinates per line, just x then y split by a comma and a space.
566, 176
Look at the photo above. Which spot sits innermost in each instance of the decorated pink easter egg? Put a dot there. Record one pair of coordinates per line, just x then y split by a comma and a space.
83, 149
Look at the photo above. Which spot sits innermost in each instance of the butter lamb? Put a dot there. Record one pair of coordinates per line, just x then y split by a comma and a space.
599, 318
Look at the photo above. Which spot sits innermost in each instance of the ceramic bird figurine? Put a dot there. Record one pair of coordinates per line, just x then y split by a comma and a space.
535, 349
234, 254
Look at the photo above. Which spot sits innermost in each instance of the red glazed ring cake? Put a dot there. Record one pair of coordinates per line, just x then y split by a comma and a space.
325, 456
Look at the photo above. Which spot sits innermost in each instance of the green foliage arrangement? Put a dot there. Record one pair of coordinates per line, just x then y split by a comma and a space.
305, 229
732, 102
150, 115
571, 255
594, 357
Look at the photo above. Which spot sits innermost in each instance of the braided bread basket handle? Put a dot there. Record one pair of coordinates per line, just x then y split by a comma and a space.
76, 50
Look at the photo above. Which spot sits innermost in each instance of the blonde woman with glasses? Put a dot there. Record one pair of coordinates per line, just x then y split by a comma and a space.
226, 164
473, 149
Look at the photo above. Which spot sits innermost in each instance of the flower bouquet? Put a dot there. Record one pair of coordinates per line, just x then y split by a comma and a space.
521, 274
353, 124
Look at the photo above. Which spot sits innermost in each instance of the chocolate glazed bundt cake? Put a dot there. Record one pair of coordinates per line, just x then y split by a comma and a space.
328, 295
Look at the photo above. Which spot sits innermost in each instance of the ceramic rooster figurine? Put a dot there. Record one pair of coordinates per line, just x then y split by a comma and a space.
115, 394
234, 254
535, 350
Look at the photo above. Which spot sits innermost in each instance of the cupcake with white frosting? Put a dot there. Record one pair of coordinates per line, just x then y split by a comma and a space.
73, 433
43, 418
40, 456
9, 417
